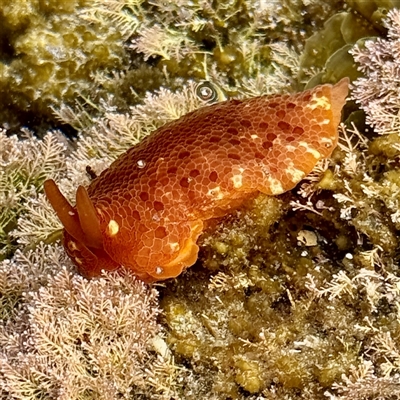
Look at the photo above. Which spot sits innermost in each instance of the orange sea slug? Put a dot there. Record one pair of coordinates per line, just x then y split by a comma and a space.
148, 208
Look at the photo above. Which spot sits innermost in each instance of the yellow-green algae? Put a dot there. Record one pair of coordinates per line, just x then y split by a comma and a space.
49, 55
326, 52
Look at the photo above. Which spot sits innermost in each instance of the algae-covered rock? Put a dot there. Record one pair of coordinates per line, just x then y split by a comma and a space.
251, 326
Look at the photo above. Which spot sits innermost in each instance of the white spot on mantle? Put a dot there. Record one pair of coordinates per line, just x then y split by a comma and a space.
112, 228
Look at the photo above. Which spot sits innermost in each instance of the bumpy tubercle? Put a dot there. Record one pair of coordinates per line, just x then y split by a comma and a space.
146, 211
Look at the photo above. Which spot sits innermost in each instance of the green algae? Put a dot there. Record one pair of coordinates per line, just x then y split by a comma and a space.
326, 52
373, 11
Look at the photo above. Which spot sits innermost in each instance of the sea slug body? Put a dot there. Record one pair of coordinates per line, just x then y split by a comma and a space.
147, 210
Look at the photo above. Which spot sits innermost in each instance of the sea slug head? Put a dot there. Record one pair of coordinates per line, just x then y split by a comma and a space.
155, 244
93, 250
82, 236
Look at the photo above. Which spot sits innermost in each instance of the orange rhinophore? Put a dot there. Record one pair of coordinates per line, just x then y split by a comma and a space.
147, 210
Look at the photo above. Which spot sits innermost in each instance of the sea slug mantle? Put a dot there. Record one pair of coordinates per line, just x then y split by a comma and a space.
147, 210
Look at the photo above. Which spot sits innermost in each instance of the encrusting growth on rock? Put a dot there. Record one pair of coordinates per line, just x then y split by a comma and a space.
147, 210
